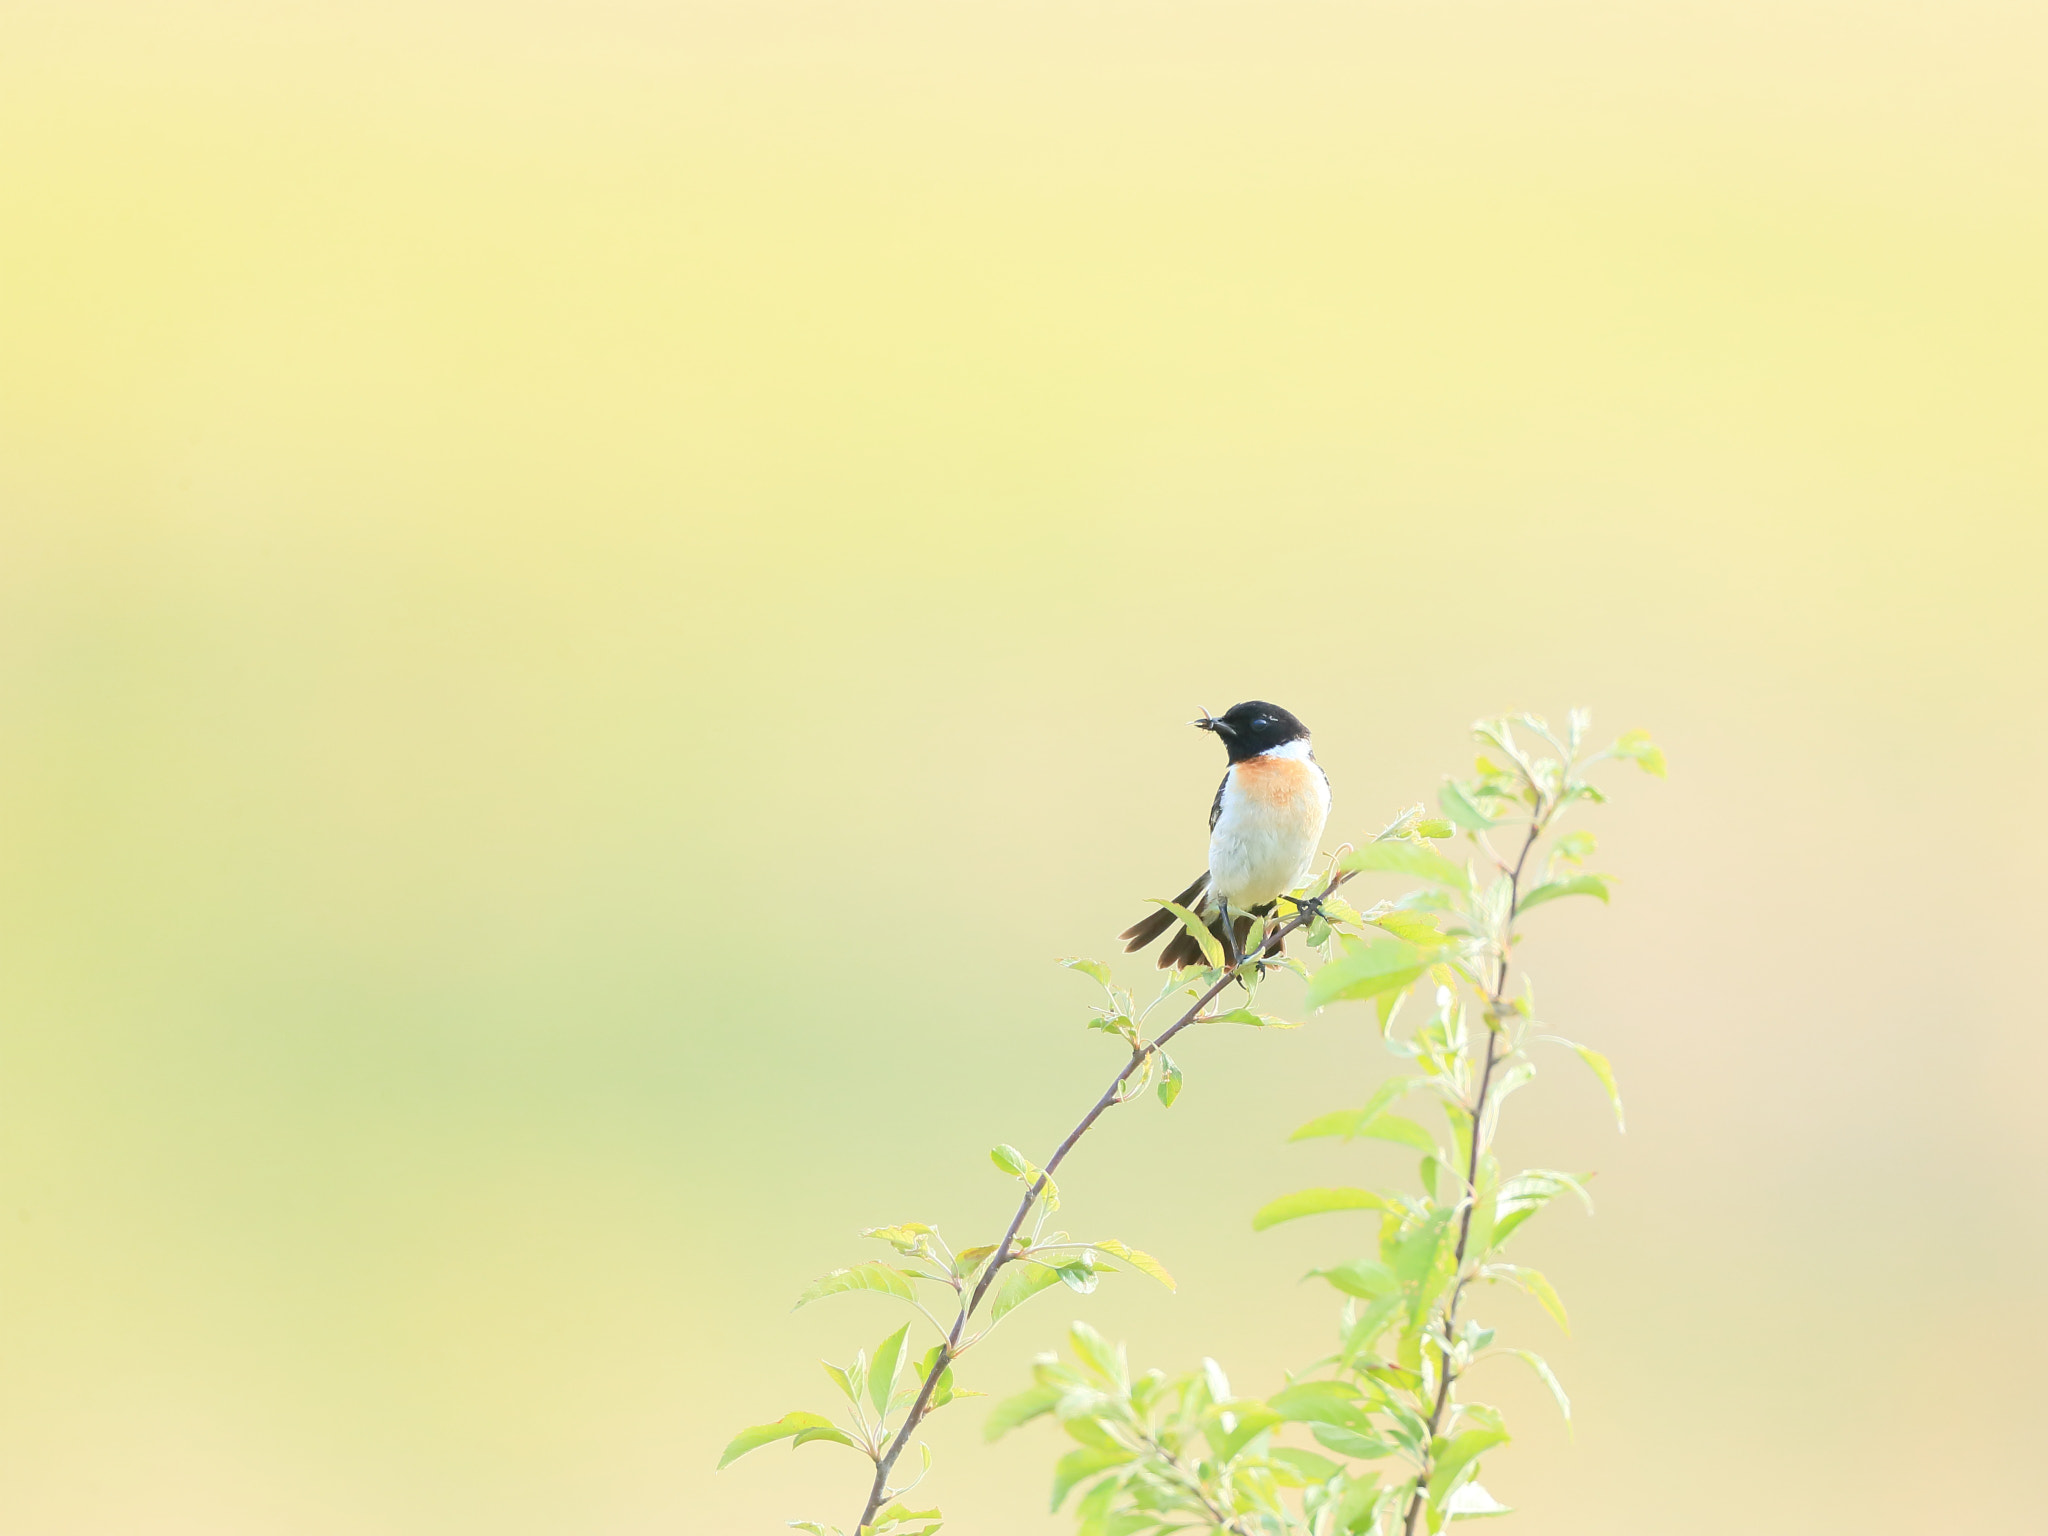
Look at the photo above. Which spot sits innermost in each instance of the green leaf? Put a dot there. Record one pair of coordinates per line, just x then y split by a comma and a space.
831, 1433
1396, 857
1139, 1260
1389, 1092
1349, 1442
1079, 1275
757, 1435
862, 1277
1473, 1502
840, 1381
1550, 890
1460, 1122
1358, 1506
942, 1389
1417, 928
1320, 1402
1313, 1202
1540, 1184
1359, 1277
943, 1392
1253, 1419
1415, 1255
1435, 830
1022, 1280
968, 1260
1461, 807
1212, 951
1330, 1405
1101, 1356
1432, 1169
1093, 968
882, 1374
1602, 1069
1116, 1024
896, 1515
1246, 1016
1527, 1192
1367, 971
1338, 1122
1398, 1128
1532, 1281
1078, 1466
1449, 1458
1092, 1513
857, 1374
1020, 1167
1317, 1469
1403, 1379
1637, 746
1504, 1227
1347, 1122
1542, 1368
1365, 1333
1169, 1080
1021, 1409
1485, 1208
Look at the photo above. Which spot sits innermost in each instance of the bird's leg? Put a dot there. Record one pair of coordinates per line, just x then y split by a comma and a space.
1229, 929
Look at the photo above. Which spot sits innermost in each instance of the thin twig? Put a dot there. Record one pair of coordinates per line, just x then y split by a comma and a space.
953, 1347
1500, 987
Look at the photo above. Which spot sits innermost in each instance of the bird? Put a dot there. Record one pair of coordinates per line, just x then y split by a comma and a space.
1265, 825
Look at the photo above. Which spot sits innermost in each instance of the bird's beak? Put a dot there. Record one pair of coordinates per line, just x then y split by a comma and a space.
1211, 723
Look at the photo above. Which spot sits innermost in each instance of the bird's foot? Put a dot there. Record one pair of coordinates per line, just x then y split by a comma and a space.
1307, 906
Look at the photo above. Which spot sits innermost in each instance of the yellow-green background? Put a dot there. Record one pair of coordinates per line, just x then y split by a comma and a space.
588, 592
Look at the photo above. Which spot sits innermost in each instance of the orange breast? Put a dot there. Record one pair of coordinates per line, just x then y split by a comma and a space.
1278, 782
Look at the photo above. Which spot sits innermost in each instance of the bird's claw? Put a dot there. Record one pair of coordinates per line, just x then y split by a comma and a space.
1307, 906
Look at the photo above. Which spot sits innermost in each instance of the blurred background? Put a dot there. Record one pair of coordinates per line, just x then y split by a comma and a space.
589, 594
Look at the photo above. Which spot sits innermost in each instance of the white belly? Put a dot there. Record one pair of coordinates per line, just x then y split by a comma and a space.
1267, 829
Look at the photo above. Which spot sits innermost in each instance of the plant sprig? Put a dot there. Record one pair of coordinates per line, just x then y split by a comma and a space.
1158, 1452
1397, 1447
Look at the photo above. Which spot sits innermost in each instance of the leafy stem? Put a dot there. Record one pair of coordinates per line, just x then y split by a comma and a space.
1398, 1384
1544, 809
1141, 1053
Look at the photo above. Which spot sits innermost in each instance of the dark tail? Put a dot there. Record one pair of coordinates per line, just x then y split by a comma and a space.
1181, 950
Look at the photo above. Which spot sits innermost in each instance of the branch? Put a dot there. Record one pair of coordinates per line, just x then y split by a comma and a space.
1500, 987
1111, 1095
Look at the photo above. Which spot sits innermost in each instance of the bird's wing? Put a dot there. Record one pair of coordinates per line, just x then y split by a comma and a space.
1216, 805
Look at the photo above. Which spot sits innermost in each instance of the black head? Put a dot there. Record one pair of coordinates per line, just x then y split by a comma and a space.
1253, 727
